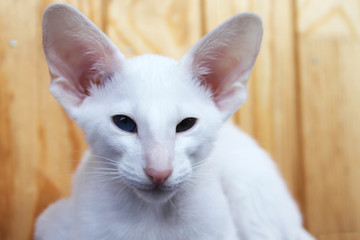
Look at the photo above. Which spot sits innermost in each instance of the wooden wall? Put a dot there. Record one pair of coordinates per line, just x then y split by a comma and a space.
303, 105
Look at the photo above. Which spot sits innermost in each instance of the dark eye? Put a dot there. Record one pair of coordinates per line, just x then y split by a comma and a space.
185, 124
125, 123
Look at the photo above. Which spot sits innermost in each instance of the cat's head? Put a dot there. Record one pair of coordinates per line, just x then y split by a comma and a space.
151, 117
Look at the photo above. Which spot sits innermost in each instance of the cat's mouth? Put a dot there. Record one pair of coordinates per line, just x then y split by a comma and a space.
154, 192
157, 194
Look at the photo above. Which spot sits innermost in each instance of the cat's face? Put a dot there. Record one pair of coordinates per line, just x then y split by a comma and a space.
150, 117
142, 115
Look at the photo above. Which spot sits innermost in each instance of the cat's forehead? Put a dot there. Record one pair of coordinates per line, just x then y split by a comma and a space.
152, 85
154, 77
151, 61
153, 71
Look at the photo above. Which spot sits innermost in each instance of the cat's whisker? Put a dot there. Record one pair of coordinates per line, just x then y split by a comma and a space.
199, 164
104, 158
171, 203
140, 205
108, 160
111, 180
104, 179
197, 176
188, 187
103, 168
98, 175
124, 189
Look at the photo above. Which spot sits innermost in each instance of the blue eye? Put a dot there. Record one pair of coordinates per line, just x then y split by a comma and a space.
185, 124
125, 123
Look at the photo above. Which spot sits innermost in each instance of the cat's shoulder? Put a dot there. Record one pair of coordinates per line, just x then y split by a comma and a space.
231, 131
234, 140
56, 222
237, 151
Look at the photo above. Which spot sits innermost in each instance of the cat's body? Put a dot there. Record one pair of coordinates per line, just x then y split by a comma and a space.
158, 167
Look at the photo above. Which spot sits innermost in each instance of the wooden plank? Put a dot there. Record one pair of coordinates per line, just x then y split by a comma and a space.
329, 54
331, 136
343, 236
37, 140
139, 27
270, 113
331, 18
19, 121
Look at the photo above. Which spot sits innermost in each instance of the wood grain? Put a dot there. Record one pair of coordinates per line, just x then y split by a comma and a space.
329, 53
140, 27
340, 236
331, 136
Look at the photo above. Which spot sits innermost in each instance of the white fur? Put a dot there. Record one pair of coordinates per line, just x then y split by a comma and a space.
222, 186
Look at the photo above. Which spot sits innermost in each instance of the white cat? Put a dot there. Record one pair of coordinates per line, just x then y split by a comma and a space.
160, 166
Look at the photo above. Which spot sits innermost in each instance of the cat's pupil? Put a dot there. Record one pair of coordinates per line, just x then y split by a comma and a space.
185, 124
125, 123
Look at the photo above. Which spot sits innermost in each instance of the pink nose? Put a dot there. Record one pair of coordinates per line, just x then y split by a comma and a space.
158, 176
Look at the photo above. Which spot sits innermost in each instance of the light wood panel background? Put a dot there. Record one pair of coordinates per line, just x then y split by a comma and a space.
303, 105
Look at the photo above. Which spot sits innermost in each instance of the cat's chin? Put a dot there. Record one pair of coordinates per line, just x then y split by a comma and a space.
155, 195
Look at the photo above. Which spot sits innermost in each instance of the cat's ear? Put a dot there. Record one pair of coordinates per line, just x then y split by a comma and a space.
79, 55
223, 59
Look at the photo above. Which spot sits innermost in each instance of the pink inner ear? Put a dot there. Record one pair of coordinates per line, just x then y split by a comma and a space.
219, 71
79, 55
81, 63
87, 64
223, 59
